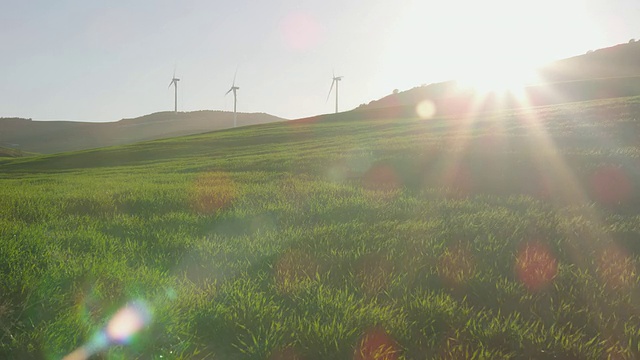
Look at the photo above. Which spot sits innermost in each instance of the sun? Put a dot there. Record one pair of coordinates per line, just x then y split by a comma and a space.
500, 78
491, 46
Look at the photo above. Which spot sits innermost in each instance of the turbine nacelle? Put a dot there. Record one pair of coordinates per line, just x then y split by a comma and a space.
233, 88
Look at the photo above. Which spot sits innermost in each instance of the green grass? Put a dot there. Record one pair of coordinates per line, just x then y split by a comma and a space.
509, 236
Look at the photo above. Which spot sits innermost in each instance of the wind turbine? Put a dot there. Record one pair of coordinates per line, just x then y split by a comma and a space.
234, 88
335, 81
174, 82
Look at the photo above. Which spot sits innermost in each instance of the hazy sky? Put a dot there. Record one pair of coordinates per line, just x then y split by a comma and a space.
107, 60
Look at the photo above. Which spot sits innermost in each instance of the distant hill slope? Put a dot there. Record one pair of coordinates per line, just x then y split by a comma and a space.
605, 73
11, 153
613, 62
59, 136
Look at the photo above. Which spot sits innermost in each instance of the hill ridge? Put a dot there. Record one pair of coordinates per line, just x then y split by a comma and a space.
52, 136
604, 73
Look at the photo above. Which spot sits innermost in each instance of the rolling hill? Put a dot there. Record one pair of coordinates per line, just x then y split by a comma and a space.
617, 61
59, 136
11, 153
605, 73
507, 235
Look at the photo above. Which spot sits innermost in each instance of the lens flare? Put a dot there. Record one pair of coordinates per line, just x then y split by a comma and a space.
301, 31
376, 344
610, 185
457, 179
338, 172
499, 79
126, 323
426, 109
536, 267
381, 177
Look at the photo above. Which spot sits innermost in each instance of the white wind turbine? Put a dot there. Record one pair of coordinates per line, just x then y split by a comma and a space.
234, 88
335, 81
174, 82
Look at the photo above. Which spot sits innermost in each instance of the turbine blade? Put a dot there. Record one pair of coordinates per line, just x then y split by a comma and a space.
234, 78
331, 88
171, 83
225, 94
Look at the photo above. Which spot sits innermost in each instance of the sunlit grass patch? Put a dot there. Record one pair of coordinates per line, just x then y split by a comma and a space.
213, 192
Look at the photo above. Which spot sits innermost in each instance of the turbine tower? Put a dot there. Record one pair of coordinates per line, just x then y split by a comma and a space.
234, 88
335, 81
174, 82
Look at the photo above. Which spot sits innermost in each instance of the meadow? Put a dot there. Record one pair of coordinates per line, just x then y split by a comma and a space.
507, 235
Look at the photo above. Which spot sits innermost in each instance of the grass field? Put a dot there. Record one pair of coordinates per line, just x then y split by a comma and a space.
513, 235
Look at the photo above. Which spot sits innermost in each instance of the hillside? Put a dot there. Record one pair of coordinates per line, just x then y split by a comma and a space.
617, 61
512, 235
58, 136
11, 153
605, 73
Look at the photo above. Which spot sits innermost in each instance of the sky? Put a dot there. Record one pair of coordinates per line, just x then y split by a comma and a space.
89, 60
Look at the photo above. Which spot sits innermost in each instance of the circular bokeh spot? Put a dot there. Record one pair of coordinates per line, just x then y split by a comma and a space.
544, 186
300, 31
338, 172
376, 344
536, 267
127, 322
610, 185
381, 177
426, 109
457, 179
